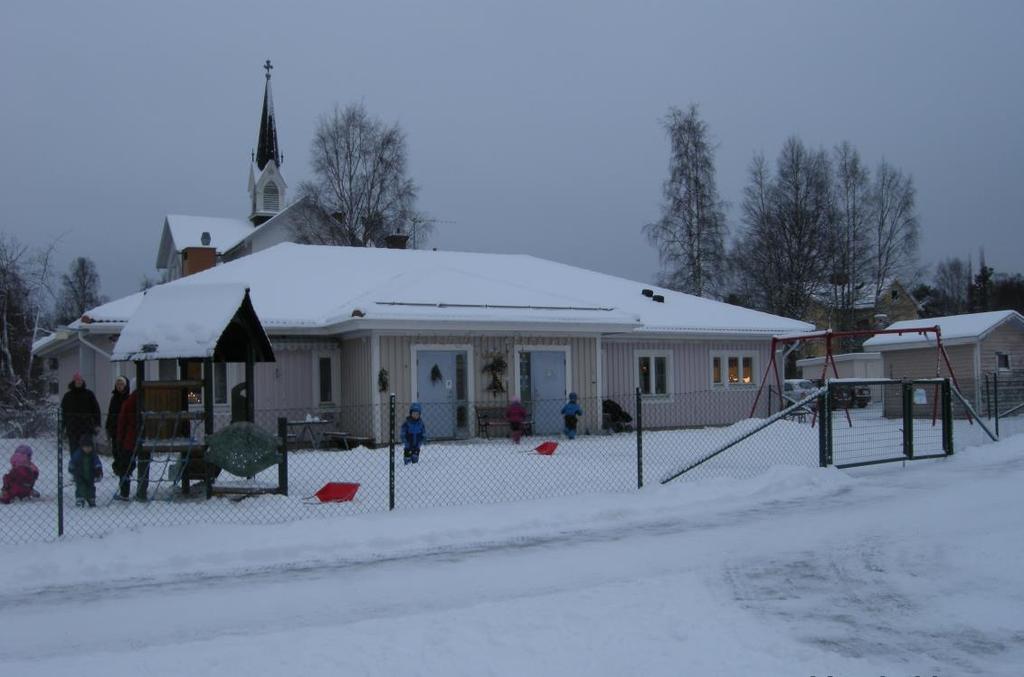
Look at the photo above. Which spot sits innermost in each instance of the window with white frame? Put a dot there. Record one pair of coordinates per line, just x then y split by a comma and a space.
1003, 361
654, 372
732, 369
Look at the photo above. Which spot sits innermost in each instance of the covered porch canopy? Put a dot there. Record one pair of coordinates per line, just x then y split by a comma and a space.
196, 322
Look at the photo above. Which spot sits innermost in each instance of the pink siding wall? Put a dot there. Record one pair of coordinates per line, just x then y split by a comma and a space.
695, 401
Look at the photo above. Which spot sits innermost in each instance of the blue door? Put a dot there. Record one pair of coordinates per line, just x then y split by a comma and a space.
547, 390
436, 390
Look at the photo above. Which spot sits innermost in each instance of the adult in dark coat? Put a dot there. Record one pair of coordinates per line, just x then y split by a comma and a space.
80, 411
124, 448
122, 389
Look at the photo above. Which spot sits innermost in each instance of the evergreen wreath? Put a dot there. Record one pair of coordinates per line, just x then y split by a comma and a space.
496, 368
435, 374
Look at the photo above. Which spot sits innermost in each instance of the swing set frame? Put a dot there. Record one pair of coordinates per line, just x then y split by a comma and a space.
828, 336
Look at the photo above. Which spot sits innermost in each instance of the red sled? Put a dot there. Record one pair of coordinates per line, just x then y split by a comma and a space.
546, 448
336, 492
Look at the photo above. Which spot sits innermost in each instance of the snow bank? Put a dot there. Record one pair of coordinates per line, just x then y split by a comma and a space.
212, 550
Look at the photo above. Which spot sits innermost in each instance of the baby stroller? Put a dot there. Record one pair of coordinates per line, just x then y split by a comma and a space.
614, 418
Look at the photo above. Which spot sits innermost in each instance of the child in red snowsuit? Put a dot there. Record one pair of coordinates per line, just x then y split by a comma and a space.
515, 414
20, 482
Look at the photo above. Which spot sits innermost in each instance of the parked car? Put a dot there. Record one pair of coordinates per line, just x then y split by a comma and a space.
796, 389
847, 394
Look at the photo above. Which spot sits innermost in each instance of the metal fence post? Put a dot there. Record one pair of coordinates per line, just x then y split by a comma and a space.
995, 398
639, 441
947, 418
908, 419
60, 473
988, 398
391, 452
824, 429
282, 465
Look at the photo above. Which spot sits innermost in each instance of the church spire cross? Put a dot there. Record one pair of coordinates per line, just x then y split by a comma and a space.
266, 146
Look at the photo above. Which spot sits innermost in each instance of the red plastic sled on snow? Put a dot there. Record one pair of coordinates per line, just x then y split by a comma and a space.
546, 448
336, 492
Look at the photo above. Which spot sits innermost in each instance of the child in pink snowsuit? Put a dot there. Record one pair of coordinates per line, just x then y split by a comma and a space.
515, 414
20, 482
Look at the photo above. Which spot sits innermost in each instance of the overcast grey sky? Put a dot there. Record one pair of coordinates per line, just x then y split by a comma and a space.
532, 126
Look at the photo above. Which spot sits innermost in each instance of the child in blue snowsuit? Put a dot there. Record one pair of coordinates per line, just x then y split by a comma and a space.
413, 433
571, 412
86, 469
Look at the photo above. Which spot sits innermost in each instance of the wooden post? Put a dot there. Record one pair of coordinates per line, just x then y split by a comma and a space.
207, 421
250, 391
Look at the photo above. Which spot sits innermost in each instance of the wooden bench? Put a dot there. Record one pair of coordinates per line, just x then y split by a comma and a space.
493, 418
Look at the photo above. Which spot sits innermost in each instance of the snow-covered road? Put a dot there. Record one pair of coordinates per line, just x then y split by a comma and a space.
799, 572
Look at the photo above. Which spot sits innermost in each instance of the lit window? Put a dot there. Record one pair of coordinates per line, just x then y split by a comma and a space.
736, 369
653, 376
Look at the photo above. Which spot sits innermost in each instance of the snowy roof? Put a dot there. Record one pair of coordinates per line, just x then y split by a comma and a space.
866, 299
180, 321
42, 343
182, 231
954, 329
348, 288
282, 218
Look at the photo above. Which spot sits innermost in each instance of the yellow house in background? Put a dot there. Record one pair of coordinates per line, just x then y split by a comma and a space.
894, 304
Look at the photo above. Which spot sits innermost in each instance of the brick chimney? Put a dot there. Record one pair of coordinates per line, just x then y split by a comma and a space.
396, 241
197, 259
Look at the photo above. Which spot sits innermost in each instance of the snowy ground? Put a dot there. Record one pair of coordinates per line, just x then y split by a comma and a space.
886, 570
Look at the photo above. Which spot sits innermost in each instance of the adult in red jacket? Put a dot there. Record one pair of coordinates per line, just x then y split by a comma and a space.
124, 448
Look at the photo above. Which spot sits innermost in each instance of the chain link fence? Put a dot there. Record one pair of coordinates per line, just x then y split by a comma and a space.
471, 454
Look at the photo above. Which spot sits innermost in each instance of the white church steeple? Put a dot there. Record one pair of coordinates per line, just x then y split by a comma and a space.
266, 185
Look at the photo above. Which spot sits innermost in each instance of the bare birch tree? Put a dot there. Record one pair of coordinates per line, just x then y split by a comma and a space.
895, 231
690, 236
23, 278
359, 193
79, 290
850, 275
950, 283
783, 256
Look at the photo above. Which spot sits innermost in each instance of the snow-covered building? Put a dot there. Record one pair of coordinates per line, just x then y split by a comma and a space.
977, 344
892, 303
350, 325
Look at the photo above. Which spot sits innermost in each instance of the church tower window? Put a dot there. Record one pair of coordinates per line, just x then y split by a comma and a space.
271, 198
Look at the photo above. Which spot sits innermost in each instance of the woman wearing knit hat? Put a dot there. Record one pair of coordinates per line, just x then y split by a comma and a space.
80, 411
